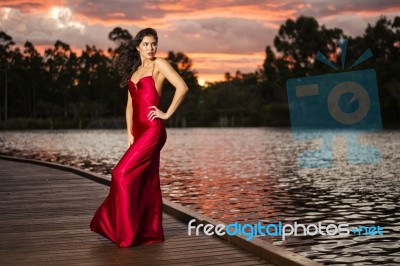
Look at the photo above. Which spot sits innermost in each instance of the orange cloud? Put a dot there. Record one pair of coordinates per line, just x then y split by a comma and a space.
30, 6
219, 36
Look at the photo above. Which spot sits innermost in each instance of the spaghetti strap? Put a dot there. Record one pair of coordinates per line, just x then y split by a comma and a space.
153, 68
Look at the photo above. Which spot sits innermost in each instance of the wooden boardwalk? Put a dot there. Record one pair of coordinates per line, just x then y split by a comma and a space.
44, 220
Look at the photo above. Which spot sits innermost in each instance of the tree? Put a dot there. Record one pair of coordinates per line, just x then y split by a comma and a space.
192, 104
120, 37
6, 45
298, 42
383, 39
34, 68
61, 63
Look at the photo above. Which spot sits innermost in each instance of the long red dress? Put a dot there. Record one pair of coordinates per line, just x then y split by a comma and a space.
132, 212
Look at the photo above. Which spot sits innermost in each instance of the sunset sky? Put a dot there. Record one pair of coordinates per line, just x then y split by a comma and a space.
219, 36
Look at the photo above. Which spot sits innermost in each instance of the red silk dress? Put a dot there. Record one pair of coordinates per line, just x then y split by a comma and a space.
132, 212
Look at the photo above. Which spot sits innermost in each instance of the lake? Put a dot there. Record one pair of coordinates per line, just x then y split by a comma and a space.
252, 174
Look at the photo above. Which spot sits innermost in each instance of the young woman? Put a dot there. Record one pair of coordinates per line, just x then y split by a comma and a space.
132, 212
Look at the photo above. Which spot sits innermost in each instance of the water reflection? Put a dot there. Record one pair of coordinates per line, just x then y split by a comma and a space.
251, 174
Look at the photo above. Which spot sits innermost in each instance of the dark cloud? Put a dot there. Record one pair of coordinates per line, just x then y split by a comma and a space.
194, 5
45, 31
111, 10
323, 8
353, 25
218, 35
148, 9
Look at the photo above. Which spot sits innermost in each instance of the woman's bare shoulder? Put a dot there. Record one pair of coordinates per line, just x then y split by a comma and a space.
161, 62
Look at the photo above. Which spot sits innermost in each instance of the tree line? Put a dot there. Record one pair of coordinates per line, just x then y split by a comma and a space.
75, 91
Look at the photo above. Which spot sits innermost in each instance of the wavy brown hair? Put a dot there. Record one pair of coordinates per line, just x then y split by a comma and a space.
128, 60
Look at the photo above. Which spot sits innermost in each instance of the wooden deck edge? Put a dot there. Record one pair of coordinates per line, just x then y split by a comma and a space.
262, 249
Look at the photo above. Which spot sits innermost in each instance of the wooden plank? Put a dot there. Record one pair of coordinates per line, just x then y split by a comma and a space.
44, 220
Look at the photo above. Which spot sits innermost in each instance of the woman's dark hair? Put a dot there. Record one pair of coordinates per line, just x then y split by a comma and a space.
128, 60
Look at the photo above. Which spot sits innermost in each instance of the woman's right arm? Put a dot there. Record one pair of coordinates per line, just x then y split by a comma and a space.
128, 114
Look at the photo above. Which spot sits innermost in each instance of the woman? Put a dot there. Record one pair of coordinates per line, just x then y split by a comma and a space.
132, 212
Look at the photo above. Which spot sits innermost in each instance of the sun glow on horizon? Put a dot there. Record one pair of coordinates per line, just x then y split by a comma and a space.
201, 82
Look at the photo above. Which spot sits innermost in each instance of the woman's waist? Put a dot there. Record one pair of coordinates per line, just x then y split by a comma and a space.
140, 122
139, 127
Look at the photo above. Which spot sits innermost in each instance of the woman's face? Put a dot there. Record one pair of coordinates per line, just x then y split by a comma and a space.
148, 47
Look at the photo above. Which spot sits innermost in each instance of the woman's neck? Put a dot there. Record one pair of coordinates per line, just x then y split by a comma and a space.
145, 63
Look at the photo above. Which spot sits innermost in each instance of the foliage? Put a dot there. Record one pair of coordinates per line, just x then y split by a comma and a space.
75, 90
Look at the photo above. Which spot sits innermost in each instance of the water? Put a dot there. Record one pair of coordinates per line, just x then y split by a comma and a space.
251, 174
